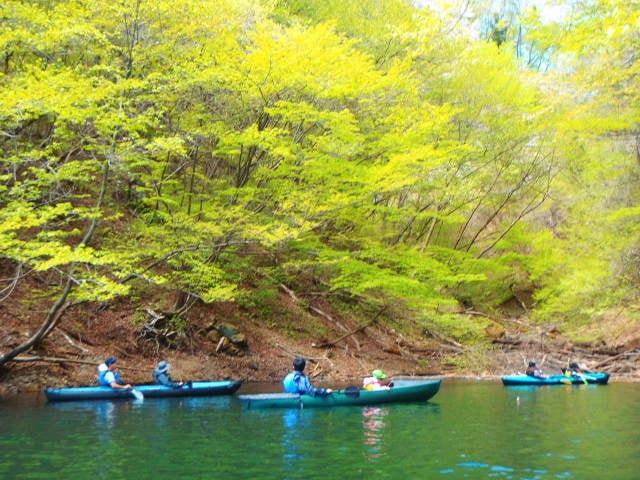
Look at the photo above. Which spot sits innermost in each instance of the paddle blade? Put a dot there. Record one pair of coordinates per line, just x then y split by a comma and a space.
353, 392
137, 394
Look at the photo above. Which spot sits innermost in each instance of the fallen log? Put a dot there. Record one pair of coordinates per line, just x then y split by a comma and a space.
35, 358
348, 334
606, 361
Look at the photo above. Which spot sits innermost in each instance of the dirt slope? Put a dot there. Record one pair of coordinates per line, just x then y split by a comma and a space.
339, 350
90, 334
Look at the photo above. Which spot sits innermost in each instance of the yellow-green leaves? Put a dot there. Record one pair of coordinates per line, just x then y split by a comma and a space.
414, 160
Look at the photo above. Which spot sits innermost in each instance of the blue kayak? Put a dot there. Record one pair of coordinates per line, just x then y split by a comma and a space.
576, 379
191, 389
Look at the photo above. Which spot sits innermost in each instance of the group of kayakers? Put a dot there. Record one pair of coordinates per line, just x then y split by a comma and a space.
574, 369
295, 381
108, 376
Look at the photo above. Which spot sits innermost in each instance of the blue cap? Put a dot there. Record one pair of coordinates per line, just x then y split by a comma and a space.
110, 361
299, 363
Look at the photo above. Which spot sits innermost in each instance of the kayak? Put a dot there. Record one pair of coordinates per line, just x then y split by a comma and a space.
190, 389
577, 379
402, 391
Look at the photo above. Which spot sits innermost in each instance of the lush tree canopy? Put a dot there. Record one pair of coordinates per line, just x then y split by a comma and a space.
385, 150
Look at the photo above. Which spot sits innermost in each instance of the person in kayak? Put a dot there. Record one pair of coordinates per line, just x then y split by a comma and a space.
298, 382
108, 376
374, 382
574, 369
161, 376
534, 371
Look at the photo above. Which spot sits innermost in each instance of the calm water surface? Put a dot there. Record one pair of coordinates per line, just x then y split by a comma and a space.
470, 430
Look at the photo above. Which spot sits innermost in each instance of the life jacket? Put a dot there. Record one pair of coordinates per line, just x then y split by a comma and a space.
102, 370
101, 380
290, 382
104, 382
370, 383
163, 378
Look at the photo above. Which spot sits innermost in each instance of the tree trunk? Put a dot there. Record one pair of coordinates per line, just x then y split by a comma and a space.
61, 305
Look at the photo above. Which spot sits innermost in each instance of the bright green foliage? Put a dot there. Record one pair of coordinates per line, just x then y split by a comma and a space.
592, 264
370, 144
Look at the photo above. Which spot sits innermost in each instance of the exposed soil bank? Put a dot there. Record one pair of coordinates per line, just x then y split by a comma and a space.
337, 352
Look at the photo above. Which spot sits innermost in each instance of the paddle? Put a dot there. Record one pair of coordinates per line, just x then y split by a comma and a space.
582, 377
353, 392
137, 394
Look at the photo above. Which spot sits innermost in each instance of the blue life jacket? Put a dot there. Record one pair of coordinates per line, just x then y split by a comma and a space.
103, 381
163, 378
290, 382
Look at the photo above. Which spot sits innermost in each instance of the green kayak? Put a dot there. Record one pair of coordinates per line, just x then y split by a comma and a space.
402, 391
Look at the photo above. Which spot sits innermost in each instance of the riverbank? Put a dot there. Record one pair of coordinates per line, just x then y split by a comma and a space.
226, 342
267, 359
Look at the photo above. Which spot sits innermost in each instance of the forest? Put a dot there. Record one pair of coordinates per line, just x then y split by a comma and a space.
420, 164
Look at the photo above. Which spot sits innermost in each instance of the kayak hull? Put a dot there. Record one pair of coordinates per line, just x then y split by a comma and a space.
586, 378
402, 391
192, 389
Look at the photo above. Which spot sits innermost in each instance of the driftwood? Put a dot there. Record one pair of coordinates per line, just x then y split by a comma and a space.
451, 344
72, 343
158, 329
352, 332
34, 358
348, 334
322, 314
615, 358
480, 314
318, 312
507, 341
294, 354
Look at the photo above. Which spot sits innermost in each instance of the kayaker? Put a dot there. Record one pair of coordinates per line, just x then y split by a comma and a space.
374, 382
575, 368
108, 376
298, 382
161, 376
534, 371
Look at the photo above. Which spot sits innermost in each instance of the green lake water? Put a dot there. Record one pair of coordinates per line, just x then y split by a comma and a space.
469, 430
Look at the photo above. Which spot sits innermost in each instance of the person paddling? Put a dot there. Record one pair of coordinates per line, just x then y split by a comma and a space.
161, 376
534, 371
575, 369
108, 376
298, 382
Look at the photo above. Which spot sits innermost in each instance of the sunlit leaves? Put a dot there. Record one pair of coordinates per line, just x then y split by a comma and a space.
363, 141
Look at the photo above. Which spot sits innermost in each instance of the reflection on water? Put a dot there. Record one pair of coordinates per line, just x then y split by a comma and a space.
295, 422
471, 430
105, 416
373, 423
